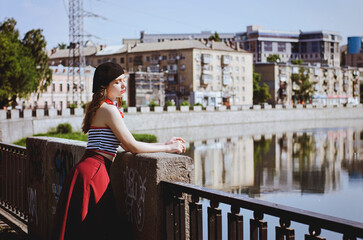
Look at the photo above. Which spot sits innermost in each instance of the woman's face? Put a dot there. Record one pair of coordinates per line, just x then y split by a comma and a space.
117, 87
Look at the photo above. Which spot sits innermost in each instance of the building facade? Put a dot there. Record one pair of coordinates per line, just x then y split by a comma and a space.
62, 92
332, 85
313, 47
211, 74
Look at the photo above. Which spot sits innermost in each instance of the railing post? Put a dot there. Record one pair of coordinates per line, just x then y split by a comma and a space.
314, 233
258, 228
283, 231
214, 221
196, 219
235, 224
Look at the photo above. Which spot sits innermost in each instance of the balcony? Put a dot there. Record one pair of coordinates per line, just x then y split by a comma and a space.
154, 61
206, 58
172, 71
206, 79
226, 60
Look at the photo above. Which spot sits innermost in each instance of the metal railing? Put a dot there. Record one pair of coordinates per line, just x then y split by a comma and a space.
176, 193
14, 176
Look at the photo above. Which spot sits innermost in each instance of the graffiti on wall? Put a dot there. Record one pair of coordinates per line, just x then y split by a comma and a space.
135, 197
32, 200
64, 161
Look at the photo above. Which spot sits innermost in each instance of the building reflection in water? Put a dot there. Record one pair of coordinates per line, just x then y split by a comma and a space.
309, 161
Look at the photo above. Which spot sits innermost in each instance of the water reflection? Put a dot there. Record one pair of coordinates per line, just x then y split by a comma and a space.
308, 161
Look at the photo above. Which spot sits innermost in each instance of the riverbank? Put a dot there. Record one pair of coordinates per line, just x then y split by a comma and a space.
145, 121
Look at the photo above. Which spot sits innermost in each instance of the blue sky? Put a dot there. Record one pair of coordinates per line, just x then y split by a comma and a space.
125, 19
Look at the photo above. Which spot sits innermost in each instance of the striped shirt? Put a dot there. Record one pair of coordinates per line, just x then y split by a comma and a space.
102, 139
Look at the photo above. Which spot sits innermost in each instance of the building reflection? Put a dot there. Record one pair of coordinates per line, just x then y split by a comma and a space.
310, 161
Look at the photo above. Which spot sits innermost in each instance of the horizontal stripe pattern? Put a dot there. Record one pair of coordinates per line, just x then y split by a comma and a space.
103, 140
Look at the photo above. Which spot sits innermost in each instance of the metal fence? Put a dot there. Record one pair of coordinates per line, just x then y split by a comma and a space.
176, 193
14, 176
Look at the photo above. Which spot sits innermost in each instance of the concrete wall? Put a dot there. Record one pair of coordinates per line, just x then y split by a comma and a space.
134, 177
14, 129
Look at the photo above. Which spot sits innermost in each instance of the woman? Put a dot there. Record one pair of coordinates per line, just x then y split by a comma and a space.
86, 208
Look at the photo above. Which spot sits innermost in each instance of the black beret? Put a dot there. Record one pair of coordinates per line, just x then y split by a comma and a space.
106, 73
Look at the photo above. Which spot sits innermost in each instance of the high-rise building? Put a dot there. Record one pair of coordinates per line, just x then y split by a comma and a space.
312, 47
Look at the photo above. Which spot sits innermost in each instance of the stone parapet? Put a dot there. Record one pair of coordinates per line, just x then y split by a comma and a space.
135, 180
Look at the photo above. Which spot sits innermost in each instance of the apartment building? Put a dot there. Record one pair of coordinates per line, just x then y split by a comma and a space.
204, 35
312, 47
62, 91
210, 73
332, 85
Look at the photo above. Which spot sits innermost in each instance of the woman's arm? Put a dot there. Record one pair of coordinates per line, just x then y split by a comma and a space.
114, 121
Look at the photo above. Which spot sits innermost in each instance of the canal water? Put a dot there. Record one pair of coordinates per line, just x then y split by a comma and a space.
316, 166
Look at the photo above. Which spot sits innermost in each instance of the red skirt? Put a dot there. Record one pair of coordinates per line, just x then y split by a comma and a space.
86, 207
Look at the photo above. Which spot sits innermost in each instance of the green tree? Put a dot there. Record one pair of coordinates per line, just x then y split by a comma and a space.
215, 37
23, 63
274, 58
62, 46
260, 92
303, 88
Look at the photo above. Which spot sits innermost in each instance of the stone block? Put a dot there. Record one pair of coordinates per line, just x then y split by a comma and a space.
288, 106
66, 112
78, 111
52, 112
184, 108
278, 106
222, 108
171, 108
28, 113
39, 113
3, 114
15, 113
145, 109
138, 192
268, 106
309, 106
131, 110
299, 106
256, 107
197, 108
234, 108
158, 109
209, 109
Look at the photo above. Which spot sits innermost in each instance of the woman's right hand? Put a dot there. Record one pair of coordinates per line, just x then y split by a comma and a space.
177, 146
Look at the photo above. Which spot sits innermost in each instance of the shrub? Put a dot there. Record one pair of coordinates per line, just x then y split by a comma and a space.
168, 103
64, 128
185, 103
198, 104
72, 105
153, 104
150, 138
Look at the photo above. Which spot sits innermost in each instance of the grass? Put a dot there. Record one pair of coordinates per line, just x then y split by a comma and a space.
84, 137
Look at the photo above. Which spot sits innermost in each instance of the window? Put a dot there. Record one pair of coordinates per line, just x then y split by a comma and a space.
182, 89
99, 61
242, 59
243, 89
181, 78
242, 69
267, 46
281, 47
61, 87
182, 56
122, 60
131, 70
303, 47
198, 67
147, 59
237, 79
114, 60
237, 59
130, 59
182, 67
315, 47
53, 87
68, 87
237, 69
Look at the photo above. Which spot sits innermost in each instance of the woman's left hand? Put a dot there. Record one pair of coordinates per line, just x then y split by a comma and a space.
174, 139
